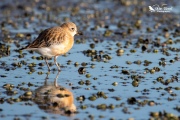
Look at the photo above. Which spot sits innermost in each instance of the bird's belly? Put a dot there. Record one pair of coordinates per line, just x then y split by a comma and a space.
60, 49
46, 52
54, 50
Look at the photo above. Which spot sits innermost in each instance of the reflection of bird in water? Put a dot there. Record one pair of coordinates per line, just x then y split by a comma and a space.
55, 99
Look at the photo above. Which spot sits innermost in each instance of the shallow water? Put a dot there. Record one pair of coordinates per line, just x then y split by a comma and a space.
124, 99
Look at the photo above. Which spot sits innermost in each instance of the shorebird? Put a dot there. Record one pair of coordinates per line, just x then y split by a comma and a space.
54, 41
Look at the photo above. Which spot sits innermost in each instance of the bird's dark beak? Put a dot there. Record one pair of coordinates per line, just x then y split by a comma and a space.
79, 33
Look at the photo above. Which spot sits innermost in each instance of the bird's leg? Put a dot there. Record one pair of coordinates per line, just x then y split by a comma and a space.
55, 57
47, 64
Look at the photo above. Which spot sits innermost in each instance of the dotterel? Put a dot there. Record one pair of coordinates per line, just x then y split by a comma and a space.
54, 41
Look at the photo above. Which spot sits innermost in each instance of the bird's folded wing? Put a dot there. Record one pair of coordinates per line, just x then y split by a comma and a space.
48, 37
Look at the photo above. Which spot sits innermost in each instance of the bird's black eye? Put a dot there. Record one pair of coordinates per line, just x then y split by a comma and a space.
72, 29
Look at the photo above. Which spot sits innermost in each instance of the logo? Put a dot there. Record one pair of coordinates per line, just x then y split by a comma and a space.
162, 8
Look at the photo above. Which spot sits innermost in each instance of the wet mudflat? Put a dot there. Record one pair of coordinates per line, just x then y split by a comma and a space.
125, 66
